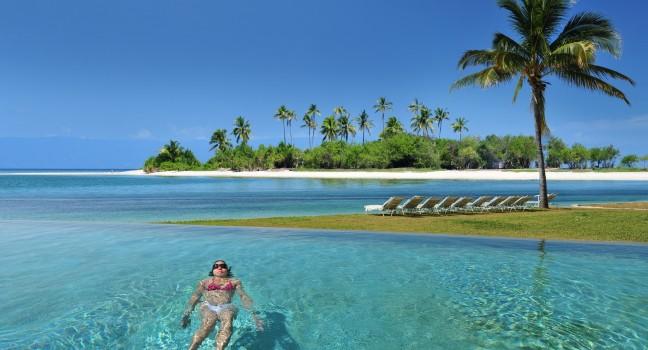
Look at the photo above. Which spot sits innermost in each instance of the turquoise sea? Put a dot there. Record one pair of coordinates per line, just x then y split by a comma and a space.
85, 267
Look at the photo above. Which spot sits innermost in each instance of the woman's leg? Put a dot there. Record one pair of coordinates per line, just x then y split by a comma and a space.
209, 319
225, 329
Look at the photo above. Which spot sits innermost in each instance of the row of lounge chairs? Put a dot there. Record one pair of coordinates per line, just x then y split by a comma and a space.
419, 205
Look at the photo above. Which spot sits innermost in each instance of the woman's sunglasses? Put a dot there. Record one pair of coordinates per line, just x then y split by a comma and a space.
222, 266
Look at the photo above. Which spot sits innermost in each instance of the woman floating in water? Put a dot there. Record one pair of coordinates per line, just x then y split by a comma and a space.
217, 306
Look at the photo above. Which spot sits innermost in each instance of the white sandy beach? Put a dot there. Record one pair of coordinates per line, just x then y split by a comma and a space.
371, 175
407, 175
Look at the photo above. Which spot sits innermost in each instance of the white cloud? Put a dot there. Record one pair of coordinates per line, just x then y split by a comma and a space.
191, 133
143, 134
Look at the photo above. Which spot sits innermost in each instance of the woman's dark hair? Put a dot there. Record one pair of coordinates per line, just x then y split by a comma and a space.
229, 269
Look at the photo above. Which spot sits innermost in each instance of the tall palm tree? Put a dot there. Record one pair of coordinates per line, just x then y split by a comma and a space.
364, 124
440, 115
242, 130
290, 116
219, 140
382, 105
460, 126
415, 106
310, 122
422, 122
393, 127
345, 127
339, 111
329, 128
544, 50
282, 114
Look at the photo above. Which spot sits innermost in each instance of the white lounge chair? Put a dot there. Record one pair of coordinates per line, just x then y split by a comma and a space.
478, 203
492, 204
536, 200
459, 205
427, 205
409, 205
386, 208
443, 205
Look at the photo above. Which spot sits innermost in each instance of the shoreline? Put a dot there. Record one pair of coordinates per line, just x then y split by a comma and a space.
494, 175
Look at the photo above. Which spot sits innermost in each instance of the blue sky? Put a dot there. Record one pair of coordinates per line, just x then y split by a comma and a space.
95, 84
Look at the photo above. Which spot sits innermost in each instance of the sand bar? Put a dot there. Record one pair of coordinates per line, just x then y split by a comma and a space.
373, 175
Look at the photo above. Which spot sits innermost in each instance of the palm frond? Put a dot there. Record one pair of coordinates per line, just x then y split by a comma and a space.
488, 77
502, 42
583, 52
603, 72
519, 18
476, 58
518, 87
583, 79
553, 13
592, 27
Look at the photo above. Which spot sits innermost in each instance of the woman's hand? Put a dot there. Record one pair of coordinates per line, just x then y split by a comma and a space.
184, 322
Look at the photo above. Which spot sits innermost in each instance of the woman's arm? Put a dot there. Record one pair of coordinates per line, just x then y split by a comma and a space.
248, 304
191, 304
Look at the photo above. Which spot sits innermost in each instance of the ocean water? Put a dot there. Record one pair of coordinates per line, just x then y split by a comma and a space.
83, 267
149, 199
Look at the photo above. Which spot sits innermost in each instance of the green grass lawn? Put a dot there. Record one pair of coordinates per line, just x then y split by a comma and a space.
566, 224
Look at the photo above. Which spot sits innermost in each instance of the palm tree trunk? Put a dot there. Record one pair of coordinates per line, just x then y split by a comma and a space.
538, 114
290, 129
363, 136
283, 123
383, 120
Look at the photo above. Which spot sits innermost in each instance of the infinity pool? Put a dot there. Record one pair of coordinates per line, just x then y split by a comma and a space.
123, 286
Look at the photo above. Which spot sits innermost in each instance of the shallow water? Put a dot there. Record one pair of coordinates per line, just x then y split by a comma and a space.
123, 286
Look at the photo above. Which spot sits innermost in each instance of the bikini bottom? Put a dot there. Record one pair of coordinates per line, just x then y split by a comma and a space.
217, 309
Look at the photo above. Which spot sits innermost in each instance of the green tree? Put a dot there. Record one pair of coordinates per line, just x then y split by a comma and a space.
382, 106
329, 128
345, 127
608, 156
290, 116
242, 130
310, 122
364, 124
578, 156
282, 114
595, 157
555, 152
440, 115
415, 107
459, 126
422, 122
570, 56
171, 152
339, 111
393, 127
219, 140
630, 160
